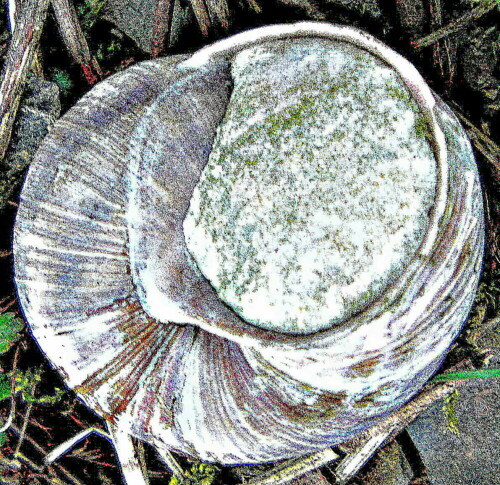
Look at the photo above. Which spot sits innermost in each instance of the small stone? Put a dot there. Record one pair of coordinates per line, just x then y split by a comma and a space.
318, 187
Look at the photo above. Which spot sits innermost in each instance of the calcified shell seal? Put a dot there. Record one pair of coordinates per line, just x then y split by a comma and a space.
256, 251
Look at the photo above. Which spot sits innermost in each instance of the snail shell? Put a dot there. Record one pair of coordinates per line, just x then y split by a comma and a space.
119, 305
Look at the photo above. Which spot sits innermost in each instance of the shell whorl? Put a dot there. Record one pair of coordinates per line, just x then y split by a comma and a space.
100, 289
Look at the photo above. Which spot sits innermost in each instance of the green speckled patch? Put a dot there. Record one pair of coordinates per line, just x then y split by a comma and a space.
317, 191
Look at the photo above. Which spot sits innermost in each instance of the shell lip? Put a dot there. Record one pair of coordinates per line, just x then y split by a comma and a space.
249, 334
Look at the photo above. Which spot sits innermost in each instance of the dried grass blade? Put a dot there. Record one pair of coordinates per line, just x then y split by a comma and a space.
483, 8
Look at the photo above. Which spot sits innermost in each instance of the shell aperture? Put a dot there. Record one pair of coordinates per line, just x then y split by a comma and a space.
318, 188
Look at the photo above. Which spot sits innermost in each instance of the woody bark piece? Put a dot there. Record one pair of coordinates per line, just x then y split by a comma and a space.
219, 12
75, 42
13, 7
18, 62
202, 15
161, 27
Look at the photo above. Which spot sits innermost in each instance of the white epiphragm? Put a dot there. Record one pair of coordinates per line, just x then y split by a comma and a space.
318, 188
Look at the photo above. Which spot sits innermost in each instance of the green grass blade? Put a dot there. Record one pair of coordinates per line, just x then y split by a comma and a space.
469, 374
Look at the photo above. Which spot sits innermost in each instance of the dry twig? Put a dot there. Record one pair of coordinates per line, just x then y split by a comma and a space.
485, 145
19, 59
360, 449
293, 469
483, 8
202, 16
43, 452
162, 25
12, 411
72, 35
441, 50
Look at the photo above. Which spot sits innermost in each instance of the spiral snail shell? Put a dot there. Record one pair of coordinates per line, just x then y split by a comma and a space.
138, 280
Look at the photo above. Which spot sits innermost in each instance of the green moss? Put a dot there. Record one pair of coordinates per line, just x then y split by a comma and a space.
397, 92
421, 128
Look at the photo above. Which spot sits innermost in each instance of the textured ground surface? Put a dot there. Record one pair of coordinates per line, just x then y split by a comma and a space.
462, 66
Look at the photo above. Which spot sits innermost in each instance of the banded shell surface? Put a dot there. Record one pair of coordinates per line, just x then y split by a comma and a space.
161, 326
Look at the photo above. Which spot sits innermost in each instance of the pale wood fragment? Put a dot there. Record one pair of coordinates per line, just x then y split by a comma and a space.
292, 469
63, 448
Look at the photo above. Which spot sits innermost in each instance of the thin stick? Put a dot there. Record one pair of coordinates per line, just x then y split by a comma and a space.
43, 452
38, 469
485, 145
12, 411
162, 25
479, 134
74, 40
63, 448
295, 468
483, 8
24, 427
7, 306
350, 465
142, 461
19, 59
446, 67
